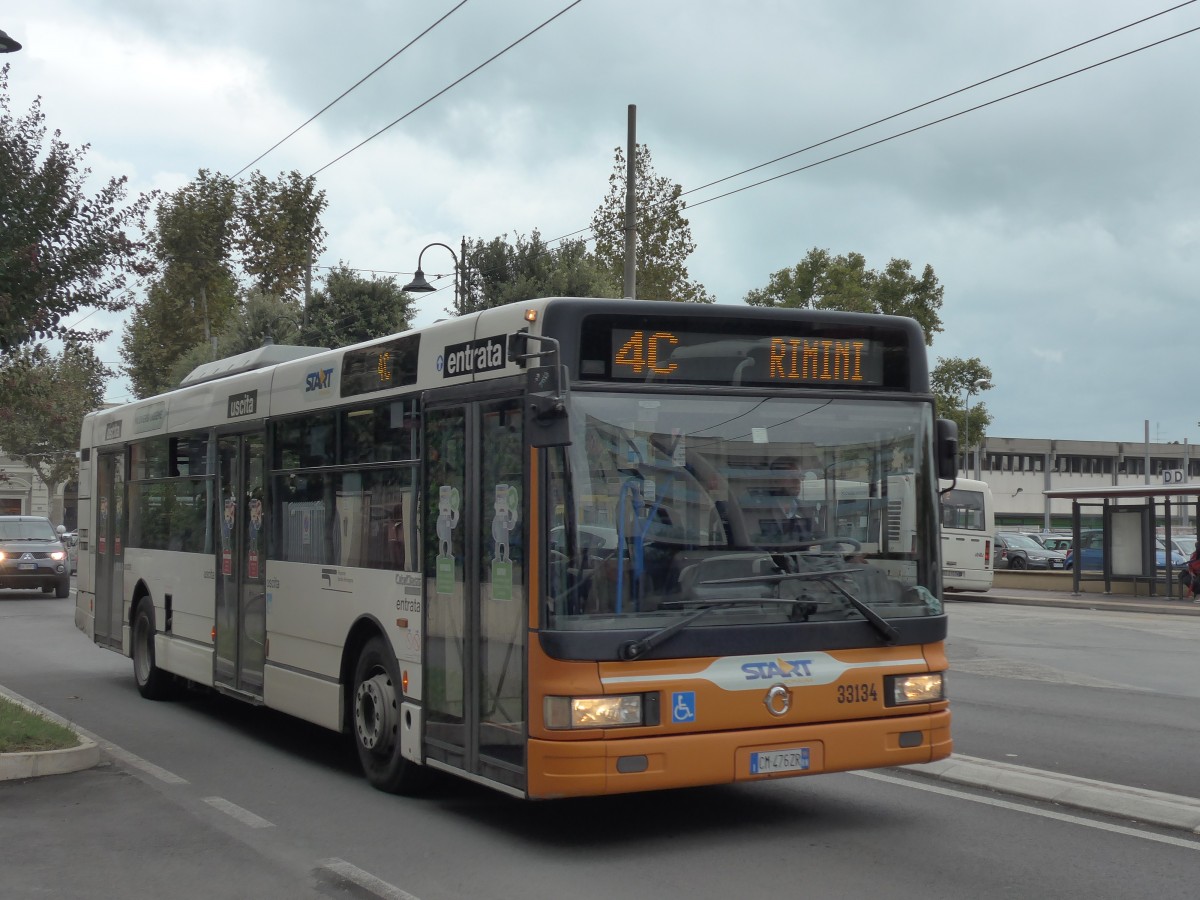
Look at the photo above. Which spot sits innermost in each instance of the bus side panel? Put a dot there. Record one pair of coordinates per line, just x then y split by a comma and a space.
311, 610
85, 597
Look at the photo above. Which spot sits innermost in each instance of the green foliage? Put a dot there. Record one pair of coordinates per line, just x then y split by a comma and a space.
350, 308
195, 299
154, 339
281, 231
664, 237
259, 318
822, 281
502, 273
45, 400
60, 250
953, 381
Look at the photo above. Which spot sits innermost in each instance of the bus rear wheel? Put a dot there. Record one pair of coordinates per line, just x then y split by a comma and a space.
152, 682
376, 722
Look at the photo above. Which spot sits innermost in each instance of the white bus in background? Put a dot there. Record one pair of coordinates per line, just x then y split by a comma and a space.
968, 530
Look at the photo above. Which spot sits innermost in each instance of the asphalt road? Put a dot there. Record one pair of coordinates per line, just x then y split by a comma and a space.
207, 798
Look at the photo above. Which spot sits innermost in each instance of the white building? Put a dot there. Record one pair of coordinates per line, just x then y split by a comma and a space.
21, 491
1018, 470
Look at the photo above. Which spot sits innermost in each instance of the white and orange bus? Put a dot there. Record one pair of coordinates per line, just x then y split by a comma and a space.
552, 547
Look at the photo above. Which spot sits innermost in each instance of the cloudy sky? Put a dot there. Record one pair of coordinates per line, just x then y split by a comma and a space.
1063, 222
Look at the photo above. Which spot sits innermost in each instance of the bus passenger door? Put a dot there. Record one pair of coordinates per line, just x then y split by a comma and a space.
476, 608
241, 614
109, 572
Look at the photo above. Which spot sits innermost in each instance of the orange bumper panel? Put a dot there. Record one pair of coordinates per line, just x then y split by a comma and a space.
617, 766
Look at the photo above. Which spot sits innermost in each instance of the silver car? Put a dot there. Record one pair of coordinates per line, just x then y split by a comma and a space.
32, 556
1015, 550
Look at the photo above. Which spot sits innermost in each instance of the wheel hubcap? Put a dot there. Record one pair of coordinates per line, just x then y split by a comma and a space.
375, 713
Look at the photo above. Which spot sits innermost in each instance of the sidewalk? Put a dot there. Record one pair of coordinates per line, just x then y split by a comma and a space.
1069, 600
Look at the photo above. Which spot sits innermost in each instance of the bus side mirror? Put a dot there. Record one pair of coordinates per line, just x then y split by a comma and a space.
947, 449
546, 421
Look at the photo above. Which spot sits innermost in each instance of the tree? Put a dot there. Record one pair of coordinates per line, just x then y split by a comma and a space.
46, 398
952, 380
259, 320
822, 281
195, 290
60, 250
664, 237
196, 297
500, 273
281, 232
351, 308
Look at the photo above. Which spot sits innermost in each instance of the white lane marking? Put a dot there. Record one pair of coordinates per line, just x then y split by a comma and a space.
137, 762
365, 880
1033, 811
242, 815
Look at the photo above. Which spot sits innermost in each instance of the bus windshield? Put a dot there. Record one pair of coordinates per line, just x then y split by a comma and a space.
773, 509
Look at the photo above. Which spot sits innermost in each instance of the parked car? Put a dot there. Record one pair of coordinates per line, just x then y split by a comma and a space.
32, 555
1185, 546
1059, 542
1091, 552
1015, 550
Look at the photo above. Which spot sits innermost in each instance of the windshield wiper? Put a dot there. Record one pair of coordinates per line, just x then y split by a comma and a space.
885, 628
634, 649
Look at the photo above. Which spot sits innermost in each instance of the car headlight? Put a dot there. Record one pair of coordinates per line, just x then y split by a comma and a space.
594, 712
58, 555
2, 556
901, 690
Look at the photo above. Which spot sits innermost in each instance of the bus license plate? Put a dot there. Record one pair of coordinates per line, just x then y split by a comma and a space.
768, 762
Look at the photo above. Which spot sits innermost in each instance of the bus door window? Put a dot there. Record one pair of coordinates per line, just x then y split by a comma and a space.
502, 598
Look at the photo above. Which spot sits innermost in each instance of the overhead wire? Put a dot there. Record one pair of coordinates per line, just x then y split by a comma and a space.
954, 93
350, 89
448, 87
939, 121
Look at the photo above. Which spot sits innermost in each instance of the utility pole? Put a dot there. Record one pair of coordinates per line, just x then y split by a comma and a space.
631, 207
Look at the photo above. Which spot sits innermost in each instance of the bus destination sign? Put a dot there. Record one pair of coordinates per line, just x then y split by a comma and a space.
649, 354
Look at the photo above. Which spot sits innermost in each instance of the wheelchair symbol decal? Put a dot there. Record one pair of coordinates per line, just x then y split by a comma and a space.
683, 707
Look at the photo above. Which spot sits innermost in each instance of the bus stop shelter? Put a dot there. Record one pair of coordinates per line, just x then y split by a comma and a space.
1129, 515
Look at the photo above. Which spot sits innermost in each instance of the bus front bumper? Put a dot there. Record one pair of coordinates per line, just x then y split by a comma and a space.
623, 765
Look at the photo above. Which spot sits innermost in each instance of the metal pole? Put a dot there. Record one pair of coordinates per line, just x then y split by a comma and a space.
1147, 421
631, 207
967, 434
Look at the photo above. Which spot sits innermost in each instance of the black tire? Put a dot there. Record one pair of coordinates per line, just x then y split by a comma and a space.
152, 682
63, 588
375, 720
1018, 562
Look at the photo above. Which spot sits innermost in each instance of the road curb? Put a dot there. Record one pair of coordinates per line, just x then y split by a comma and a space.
1138, 804
1100, 602
47, 762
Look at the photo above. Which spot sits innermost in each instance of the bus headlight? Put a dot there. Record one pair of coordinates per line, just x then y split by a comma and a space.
902, 690
594, 712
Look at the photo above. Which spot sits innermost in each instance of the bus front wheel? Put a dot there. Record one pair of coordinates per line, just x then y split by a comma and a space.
152, 682
377, 721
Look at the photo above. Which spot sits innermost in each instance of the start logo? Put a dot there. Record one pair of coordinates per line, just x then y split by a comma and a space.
778, 668
318, 380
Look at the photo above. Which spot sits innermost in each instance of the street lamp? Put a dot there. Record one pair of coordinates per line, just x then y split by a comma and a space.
979, 384
420, 286
7, 44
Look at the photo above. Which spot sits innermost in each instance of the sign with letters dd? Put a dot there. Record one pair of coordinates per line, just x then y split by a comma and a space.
1174, 476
